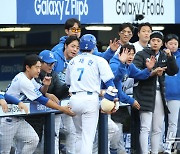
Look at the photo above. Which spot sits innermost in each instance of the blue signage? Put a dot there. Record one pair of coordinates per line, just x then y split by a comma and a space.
58, 11
10, 66
177, 11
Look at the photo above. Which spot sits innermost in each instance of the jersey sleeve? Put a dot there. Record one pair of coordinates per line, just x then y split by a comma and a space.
108, 54
106, 73
30, 91
1, 96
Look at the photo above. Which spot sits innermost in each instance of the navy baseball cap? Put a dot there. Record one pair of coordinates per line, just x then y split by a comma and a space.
47, 56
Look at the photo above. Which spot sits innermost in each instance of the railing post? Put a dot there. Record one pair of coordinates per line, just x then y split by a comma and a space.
103, 134
49, 134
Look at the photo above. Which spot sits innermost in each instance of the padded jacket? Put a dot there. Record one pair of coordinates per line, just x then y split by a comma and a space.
145, 91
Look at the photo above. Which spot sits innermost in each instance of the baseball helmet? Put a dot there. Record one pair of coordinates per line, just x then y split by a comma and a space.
87, 42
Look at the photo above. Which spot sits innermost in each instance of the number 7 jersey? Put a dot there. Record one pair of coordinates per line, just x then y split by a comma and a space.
85, 72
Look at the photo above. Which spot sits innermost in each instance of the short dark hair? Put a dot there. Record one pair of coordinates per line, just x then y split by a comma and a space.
70, 23
71, 39
144, 24
170, 37
128, 46
125, 25
31, 60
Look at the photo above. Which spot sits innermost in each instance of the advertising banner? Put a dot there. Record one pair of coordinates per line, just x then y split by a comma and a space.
8, 12
58, 11
154, 11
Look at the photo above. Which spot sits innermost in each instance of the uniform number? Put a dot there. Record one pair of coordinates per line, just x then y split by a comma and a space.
81, 73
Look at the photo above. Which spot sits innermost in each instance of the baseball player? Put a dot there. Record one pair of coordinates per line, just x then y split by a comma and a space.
150, 92
122, 67
24, 86
83, 75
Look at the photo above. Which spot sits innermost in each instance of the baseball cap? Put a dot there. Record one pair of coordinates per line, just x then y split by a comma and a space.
157, 34
47, 56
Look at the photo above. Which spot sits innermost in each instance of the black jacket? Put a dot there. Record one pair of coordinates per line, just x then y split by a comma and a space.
145, 92
57, 87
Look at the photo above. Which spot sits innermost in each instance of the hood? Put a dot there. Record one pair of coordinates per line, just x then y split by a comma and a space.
63, 39
177, 53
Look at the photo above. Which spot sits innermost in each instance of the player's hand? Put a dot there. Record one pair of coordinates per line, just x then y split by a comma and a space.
160, 71
67, 110
116, 107
23, 106
47, 80
168, 52
136, 105
114, 45
4, 105
52, 97
150, 62
102, 92
124, 55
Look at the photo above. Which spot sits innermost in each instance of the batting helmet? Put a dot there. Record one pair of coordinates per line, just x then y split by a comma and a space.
87, 42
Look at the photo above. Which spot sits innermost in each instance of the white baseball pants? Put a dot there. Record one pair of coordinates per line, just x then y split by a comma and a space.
173, 106
18, 128
86, 108
154, 120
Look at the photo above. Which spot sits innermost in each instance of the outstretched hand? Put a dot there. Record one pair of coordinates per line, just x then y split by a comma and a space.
124, 55
150, 62
114, 45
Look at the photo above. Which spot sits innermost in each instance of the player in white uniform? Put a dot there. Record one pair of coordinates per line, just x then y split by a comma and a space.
23, 85
84, 74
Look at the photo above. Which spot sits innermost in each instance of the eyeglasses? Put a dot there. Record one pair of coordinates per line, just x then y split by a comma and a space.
73, 29
50, 64
124, 32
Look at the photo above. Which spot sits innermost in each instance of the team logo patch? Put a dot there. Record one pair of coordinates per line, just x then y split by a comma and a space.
51, 55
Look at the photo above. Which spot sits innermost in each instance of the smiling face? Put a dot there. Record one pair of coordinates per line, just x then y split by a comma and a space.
71, 49
125, 35
33, 71
172, 45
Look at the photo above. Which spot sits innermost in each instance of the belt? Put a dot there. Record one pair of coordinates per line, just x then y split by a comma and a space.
86, 92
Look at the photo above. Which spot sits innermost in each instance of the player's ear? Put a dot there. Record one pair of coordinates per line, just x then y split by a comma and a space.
66, 31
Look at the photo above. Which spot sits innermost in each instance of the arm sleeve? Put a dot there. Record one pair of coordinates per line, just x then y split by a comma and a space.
123, 97
108, 54
42, 100
1, 96
109, 83
137, 73
11, 100
172, 67
106, 73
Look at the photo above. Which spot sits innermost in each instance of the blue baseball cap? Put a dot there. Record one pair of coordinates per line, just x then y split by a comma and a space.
47, 56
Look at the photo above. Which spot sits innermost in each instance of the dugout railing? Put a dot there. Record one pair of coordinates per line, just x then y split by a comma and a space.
49, 128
